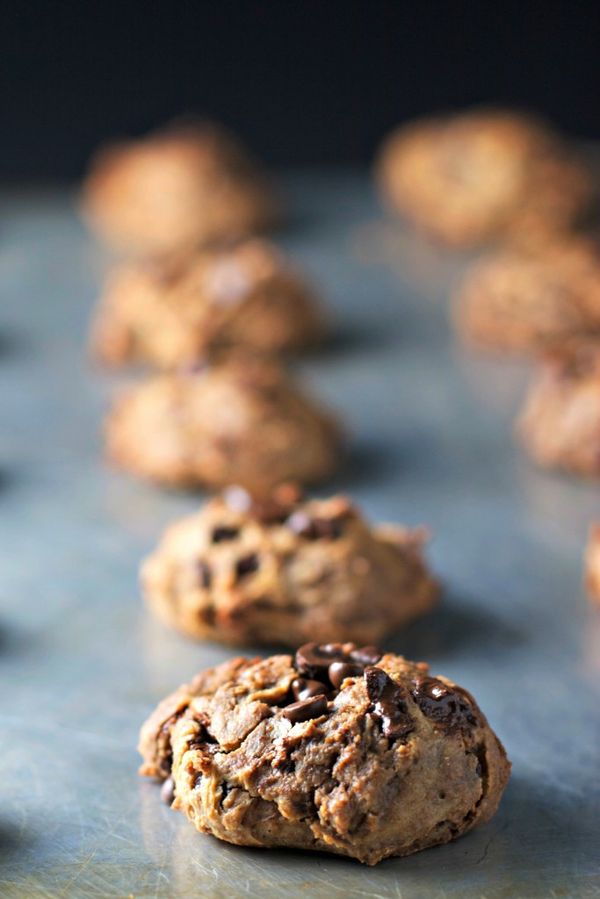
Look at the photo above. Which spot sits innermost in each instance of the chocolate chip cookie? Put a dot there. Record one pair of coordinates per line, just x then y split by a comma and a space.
186, 185
526, 301
560, 421
239, 296
341, 748
276, 569
240, 420
483, 175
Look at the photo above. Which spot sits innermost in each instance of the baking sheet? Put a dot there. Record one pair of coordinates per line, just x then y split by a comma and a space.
81, 663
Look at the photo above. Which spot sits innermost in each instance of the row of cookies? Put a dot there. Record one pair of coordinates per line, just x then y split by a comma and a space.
496, 176
337, 747
201, 297
259, 564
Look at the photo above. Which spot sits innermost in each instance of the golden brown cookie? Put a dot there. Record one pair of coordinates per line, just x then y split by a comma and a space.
174, 190
483, 175
560, 422
240, 420
277, 569
528, 301
592, 563
341, 748
242, 296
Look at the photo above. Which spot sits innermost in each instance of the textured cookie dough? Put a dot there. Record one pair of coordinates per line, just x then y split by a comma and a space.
483, 175
519, 301
278, 569
341, 748
560, 422
592, 563
174, 190
241, 420
239, 296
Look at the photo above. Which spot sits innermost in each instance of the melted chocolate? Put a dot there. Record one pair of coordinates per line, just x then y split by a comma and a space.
222, 533
246, 565
389, 703
446, 706
305, 709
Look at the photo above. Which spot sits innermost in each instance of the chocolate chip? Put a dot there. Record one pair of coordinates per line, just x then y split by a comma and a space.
314, 528
444, 705
222, 533
366, 655
225, 790
389, 700
328, 528
305, 709
313, 660
304, 689
268, 511
246, 565
265, 509
204, 574
339, 671
167, 791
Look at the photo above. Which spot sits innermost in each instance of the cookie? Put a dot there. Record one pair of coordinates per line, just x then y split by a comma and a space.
277, 569
592, 563
341, 748
240, 420
239, 296
522, 301
560, 422
174, 190
483, 175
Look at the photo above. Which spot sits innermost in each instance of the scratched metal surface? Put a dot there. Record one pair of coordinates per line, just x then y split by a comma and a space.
81, 663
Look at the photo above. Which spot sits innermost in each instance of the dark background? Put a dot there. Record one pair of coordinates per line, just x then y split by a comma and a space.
303, 81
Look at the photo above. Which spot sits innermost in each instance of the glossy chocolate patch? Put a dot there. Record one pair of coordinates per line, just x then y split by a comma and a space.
389, 703
447, 706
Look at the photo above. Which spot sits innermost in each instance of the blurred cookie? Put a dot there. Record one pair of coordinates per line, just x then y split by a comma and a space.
592, 563
342, 748
174, 190
241, 420
241, 296
483, 175
278, 569
529, 301
560, 422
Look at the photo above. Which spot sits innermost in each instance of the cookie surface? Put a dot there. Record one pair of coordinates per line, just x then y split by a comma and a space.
530, 301
241, 296
174, 190
340, 748
276, 570
560, 422
241, 420
482, 175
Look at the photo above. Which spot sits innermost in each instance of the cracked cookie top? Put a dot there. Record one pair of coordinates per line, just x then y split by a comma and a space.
244, 295
559, 424
532, 301
341, 747
178, 188
240, 419
276, 567
484, 174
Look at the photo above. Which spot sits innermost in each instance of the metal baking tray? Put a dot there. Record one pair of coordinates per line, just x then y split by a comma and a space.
82, 663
